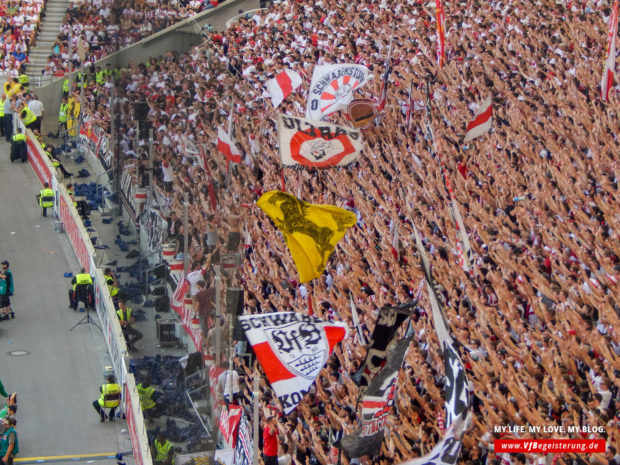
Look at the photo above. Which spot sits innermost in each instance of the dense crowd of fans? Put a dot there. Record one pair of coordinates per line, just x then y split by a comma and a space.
19, 23
106, 26
538, 323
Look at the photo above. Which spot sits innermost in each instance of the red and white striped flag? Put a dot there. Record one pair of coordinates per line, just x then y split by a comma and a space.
227, 146
607, 80
441, 33
282, 85
481, 123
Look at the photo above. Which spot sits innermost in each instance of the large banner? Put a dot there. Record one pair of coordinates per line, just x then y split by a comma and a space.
127, 193
316, 144
186, 313
74, 231
383, 337
376, 406
292, 349
153, 225
96, 142
35, 157
332, 88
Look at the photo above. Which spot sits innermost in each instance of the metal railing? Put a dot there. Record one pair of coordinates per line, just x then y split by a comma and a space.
245, 14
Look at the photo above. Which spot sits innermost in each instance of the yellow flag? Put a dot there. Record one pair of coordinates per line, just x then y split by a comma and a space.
311, 231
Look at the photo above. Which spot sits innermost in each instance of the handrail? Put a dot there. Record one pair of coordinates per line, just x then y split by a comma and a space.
246, 14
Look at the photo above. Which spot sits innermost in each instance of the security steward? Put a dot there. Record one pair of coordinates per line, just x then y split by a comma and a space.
82, 290
63, 115
146, 391
46, 198
48, 149
18, 146
66, 87
110, 280
24, 80
3, 99
163, 450
28, 117
110, 398
125, 318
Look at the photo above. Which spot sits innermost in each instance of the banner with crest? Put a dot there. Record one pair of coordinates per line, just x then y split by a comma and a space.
332, 88
316, 144
292, 349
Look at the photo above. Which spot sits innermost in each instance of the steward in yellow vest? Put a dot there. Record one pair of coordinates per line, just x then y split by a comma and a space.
131, 334
81, 291
46, 198
146, 391
24, 80
163, 450
100, 76
110, 398
19, 150
27, 116
66, 87
110, 280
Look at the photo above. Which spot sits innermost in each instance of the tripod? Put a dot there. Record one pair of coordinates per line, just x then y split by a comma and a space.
87, 320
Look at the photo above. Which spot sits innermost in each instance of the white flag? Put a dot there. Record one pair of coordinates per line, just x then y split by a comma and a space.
481, 123
292, 349
332, 88
282, 85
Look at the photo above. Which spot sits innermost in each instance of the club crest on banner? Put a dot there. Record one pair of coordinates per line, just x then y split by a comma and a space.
332, 88
292, 348
300, 346
316, 144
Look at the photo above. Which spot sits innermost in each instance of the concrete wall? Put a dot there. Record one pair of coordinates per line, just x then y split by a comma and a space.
179, 38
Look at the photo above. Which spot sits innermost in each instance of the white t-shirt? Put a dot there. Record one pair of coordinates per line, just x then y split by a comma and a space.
223, 382
168, 172
37, 107
285, 460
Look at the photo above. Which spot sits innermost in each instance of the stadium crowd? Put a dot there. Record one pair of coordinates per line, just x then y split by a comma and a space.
538, 323
19, 23
107, 26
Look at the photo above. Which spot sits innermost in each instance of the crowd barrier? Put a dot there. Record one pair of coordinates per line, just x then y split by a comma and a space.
65, 211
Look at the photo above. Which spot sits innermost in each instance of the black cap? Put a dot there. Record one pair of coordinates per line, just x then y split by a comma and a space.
5, 263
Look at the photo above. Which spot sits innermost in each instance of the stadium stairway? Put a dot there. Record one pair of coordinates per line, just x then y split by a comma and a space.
55, 11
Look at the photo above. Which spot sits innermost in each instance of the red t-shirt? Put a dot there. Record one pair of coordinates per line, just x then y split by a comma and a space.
270, 442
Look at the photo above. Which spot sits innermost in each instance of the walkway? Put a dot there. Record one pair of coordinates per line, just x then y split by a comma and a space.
56, 372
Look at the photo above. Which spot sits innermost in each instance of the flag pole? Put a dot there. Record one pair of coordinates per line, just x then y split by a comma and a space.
230, 136
255, 422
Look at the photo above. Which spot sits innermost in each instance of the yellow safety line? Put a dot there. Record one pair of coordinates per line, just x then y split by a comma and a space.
73, 456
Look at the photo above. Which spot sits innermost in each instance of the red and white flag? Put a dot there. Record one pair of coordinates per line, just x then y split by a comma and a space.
607, 80
227, 146
481, 123
179, 295
229, 421
441, 33
292, 349
282, 85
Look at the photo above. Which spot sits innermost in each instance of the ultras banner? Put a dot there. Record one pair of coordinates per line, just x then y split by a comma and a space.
316, 144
